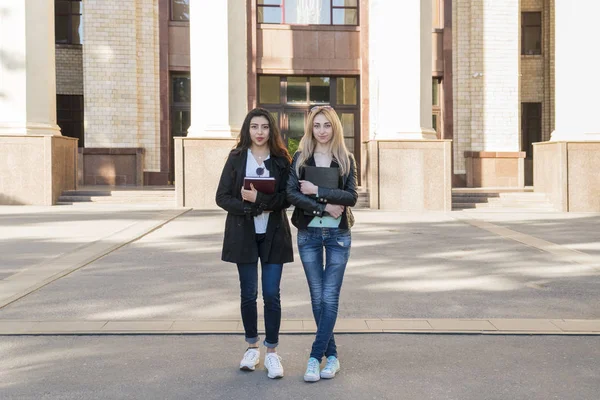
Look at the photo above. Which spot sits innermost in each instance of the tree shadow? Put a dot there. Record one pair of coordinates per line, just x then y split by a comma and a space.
417, 267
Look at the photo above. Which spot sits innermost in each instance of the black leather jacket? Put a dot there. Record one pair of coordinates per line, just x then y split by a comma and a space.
239, 241
346, 195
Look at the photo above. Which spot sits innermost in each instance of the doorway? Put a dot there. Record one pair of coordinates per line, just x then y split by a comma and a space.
531, 132
181, 114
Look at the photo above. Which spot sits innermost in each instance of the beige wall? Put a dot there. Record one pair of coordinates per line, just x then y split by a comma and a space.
198, 165
550, 173
583, 177
36, 169
408, 185
308, 49
69, 69
121, 76
568, 173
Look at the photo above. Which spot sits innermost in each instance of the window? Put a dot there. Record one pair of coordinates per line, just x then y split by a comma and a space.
69, 116
436, 109
290, 99
307, 12
68, 23
531, 33
180, 10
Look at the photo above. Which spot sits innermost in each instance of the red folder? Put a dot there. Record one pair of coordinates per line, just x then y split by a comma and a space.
263, 185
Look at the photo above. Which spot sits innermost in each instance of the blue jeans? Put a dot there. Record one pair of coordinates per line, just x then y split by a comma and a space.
324, 280
271, 278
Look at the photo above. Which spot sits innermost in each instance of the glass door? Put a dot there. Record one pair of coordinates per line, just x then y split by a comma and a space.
293, 128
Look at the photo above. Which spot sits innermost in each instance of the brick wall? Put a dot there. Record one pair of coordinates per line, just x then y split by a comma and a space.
548, 41
532, 79
69, 70
121, 76
486, 77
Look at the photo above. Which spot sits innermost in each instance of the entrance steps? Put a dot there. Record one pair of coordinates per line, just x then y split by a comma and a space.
363, 198
163, 196
151, 195
500, 199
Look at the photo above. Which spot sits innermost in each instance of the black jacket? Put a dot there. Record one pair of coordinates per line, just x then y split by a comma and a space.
239, 242
345, 195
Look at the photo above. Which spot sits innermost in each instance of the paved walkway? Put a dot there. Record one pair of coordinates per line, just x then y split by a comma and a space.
135, 269
134, 302
307, 326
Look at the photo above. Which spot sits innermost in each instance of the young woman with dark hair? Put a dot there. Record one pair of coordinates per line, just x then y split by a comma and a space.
256, 228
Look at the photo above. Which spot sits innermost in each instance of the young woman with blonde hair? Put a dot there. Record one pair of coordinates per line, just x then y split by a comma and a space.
323, 218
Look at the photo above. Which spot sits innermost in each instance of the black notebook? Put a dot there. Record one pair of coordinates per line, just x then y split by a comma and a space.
327, 177
263, 185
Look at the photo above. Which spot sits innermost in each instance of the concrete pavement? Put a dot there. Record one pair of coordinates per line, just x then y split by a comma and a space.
520, 285
394, 367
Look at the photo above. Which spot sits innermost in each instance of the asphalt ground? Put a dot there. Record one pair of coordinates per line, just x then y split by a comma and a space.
449, 367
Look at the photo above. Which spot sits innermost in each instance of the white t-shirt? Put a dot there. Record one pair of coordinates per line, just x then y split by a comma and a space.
260, 221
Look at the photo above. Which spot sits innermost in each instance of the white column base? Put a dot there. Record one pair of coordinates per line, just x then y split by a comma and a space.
423, 134
222, 131
35, 129
566, 136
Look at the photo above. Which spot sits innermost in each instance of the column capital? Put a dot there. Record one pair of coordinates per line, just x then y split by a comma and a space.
574, 136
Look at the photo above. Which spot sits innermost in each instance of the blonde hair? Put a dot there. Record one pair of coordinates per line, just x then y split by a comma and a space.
338, 147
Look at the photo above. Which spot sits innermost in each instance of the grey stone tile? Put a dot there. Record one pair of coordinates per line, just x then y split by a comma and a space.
461, 325
142, 326
531, 325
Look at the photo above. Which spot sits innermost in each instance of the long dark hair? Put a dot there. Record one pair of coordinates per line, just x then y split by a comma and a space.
276, 146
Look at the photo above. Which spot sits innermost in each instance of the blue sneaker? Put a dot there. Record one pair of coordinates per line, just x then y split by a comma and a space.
312, 370
331, 368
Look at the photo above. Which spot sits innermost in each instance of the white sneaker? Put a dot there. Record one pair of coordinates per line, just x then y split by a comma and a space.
312, 370
331, 368
250, 360
273, 366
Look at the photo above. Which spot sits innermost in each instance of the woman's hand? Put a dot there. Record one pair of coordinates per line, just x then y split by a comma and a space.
249, 195
335, 210
308, 188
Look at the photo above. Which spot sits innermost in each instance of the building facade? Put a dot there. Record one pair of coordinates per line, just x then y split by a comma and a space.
478, 77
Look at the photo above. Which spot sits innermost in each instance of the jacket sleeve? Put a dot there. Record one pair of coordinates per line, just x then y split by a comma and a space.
276, 201
295, 196
226, 198
346, 196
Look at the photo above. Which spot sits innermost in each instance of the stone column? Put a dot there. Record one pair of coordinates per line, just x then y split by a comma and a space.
400, 75
566, 167
409, 169
218, 59
27, 78
576, 92
36, 162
